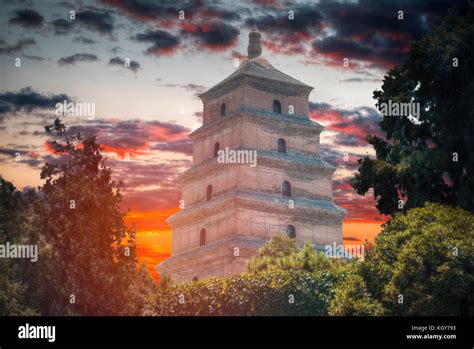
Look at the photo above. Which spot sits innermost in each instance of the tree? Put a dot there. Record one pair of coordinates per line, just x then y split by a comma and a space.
88, 264
282, 253
15, 228
274, 293
352, 299
429, 157
421, 264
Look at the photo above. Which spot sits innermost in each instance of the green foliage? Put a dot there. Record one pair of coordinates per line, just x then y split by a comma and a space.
281, 272
425, 256
15, 228
82, 243
264, 294
416, 161
353, 299
282, 253
81, 220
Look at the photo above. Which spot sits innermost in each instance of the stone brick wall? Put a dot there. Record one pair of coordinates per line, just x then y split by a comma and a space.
300, 140
247, 96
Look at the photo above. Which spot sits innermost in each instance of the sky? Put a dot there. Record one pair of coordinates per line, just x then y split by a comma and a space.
142, 64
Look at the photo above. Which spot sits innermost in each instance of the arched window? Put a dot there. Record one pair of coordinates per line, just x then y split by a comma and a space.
216, 149
195, 279
276, 106
222, 109
281, 145
286, 189
209, 192
291, 231
202, 237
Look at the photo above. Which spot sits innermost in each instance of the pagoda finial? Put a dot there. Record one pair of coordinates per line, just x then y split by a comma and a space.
254, 48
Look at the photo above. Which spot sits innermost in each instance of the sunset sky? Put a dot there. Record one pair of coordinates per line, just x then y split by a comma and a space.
145, 112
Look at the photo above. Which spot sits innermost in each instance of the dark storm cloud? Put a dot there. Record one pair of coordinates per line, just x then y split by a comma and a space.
134, 65
100, 21
342, 48
27, 18
214, 12
307, 20
372, 16
61, 26
169, 10
370, 30
28, 100
153, 10
162, 41
381, 50
97, 20
15, 48
213, 36
78, 57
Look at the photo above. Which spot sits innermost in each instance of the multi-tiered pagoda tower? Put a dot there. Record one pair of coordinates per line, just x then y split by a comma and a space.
232, 209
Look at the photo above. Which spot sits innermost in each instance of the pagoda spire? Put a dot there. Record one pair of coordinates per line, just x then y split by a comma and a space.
254, 48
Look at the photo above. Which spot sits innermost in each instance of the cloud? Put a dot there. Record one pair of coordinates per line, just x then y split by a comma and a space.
308, 20
78, 57
100, 21
162, 42
26, 157
19, 46
283, 35
194, 88
133, 65
350, 125
28, 100
184, 146
61, 26
154, 10
135, 137
351, 238
213, 36
370, 31
84, 40
33, 58
27, 18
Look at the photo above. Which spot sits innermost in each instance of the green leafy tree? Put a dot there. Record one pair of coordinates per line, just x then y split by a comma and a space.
282, 253
282, 279
88, 264
275, 293
421, 264
15, 228
429, 157
353, 299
